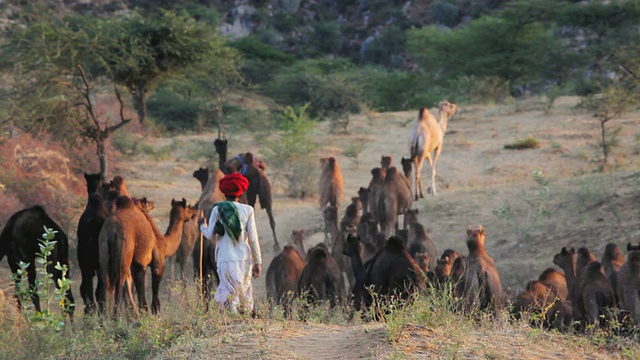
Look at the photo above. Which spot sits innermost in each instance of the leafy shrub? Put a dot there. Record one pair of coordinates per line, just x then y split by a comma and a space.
386, 49
391, 90
323, 38
527, 143
172, 111
292, 151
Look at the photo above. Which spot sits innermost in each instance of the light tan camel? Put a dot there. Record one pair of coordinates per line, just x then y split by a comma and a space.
427, 137
211, 194
331, 183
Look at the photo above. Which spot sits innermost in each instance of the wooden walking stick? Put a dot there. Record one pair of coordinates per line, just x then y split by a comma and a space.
201, 257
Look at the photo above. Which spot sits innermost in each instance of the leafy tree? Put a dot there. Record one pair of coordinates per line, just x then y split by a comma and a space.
157, 46
509, 47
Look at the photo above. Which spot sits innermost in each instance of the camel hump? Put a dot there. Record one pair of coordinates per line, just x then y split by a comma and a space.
421, 112
395, 243
124, 202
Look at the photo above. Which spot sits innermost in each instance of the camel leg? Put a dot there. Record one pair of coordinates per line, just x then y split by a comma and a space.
418, 177
272, 223
86, 291
433, 169
156, 278
138, 273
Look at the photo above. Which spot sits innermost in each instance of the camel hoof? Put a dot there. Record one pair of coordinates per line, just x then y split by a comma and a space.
276, 247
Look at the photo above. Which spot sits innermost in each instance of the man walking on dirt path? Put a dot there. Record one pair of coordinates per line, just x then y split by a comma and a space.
238, 255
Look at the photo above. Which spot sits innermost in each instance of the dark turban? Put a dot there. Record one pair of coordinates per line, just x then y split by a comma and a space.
234, 184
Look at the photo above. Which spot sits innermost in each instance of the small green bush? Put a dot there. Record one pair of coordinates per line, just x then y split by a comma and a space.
173, 111
527, 143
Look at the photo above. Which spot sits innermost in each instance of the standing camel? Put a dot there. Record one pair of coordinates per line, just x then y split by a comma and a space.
331, 183
259, 185
19, 241
427, 136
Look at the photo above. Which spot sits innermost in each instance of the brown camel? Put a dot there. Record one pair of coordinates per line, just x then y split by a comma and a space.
331, 183
376, 185
202, 174
544, 307
556, 282
19, 241
427, 137
394, 199
190, 234
130, 242
352, 214
628, 283
480, 283
583, 258
211, 194
612, 260
444, 265
282, 278
297, 237
590, 292
363, 194
367, 228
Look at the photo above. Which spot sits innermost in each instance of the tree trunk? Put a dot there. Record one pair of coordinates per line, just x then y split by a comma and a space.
102, 158
603, 135
140, 104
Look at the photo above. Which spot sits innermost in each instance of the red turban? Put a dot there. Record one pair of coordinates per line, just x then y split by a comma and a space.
234, 184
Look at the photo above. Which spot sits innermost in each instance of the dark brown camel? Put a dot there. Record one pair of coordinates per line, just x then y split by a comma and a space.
376, 185
590, 292
392, 271
282, 278
394, 199
367, 228
628, 283
259, 186
419, 241
321, 279
363, 194
583, 257
202, 174
88, 232
130, 242
19, 241
407, 166
479, 284
385, 161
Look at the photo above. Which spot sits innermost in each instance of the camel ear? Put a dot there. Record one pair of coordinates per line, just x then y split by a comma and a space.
375, 171
481, 230
469, 230
629, 247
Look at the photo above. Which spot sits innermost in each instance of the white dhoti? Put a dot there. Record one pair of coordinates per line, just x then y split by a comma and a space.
235, 291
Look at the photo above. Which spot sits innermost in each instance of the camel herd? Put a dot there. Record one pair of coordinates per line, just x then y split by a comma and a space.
367, 254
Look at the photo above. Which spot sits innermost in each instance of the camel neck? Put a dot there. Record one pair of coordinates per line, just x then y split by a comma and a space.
173, 235
443, 121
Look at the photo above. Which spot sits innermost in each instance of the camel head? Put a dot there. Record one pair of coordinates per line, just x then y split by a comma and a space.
179, 210
201, 173
475, 238
406, 166
411, 216
330, 213
94, 182
385, 161
353, 246
447, 110
297, 236
564, 256
144, 204
221, 146
378, 173
631, 247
